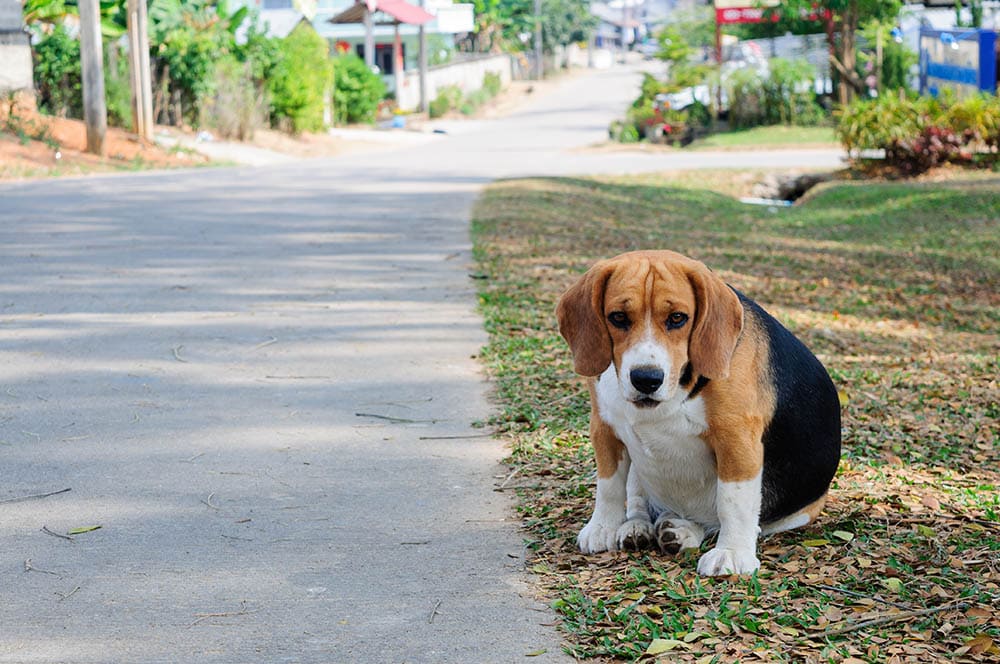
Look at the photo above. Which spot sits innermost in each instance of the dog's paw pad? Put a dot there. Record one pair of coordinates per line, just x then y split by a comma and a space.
722, 562
673, 535
635, 535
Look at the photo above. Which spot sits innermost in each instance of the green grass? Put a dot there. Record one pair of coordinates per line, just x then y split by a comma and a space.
895, 287
769, 137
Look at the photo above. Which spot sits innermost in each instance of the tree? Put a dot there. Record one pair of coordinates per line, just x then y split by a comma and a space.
843, 21
500, 24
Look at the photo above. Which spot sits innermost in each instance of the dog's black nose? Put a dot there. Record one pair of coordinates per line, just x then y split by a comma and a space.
646, 379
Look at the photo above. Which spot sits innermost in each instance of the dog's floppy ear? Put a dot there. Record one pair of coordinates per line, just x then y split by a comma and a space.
581, 320
718, 322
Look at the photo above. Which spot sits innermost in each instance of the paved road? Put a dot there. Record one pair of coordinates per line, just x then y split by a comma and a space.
209, 360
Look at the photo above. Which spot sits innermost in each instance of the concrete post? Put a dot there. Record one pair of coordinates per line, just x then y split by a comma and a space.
15, 52
369, 39
95, 112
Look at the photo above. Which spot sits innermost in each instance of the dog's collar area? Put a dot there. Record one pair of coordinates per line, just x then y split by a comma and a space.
687, 376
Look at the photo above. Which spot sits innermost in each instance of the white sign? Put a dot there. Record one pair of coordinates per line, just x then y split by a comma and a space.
455, 18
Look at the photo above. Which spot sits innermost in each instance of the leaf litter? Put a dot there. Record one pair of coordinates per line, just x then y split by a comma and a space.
897, 288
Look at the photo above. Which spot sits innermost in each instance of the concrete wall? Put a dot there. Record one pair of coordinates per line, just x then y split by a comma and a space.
15, 65
15, 51
467, 75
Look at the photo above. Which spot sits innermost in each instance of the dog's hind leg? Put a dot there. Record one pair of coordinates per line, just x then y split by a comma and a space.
803, 517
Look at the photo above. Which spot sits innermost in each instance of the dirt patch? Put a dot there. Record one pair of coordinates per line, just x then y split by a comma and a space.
35, 145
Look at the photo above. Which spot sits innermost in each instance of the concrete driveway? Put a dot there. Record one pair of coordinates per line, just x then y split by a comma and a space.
261, 384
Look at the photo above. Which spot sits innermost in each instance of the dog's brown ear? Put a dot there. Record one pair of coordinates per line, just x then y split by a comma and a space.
581, 320
718, 322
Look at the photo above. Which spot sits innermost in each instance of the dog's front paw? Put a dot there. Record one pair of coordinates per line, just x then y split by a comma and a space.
596, 537
673, 535
722, 562
635, 535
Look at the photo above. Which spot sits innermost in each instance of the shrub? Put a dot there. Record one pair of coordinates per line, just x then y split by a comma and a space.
788, 94
920, 133
300, 81
57, 74
746, 99
784, 96
492, 83
357, 90
438, 106
237, 107
117, 87
448, 97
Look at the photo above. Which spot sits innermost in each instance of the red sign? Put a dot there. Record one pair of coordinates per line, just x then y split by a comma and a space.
724, 15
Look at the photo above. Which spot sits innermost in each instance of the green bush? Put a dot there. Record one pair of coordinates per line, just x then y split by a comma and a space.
237, 107
784, 96
448, 97
746, 99
300, 81
438, 106
788, 95
57, 74
357, 90
117, 87
492, 84
919, 133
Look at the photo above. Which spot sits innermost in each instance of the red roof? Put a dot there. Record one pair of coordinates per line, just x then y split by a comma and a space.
400, 10
404, 12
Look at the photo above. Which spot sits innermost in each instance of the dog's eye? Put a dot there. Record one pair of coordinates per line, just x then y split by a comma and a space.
619, 319
676, 320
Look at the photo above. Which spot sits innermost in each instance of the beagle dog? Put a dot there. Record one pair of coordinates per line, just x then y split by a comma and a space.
707, 415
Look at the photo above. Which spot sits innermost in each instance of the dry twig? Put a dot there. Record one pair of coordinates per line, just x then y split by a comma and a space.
35, 496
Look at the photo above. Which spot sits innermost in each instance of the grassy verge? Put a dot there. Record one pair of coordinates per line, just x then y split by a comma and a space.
895, 287
770, 137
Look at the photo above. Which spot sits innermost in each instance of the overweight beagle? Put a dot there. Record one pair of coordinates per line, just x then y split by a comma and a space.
706, 414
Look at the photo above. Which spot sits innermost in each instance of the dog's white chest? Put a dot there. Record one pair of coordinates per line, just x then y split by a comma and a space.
675, 467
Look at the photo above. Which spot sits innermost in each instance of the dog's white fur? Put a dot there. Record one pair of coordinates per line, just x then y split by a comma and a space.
668, 473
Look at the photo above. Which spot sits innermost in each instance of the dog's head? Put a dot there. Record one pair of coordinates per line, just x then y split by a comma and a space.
650, 313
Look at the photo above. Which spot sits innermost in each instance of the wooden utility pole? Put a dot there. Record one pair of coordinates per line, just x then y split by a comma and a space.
95, 112
423, 63
138, 62
539, 66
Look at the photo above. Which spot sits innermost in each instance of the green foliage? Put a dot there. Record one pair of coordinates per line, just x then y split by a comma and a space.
784, 96
237, 107
746, 99
300, 81
788, 93
565, 22
500, 23
448, 97
357, 90
439, 50
438, 106
492, 83
189, 38
922, 132
688, 32
897, 59
57, 74
117, 86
